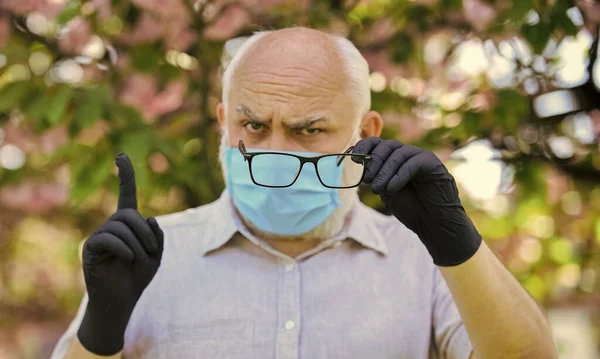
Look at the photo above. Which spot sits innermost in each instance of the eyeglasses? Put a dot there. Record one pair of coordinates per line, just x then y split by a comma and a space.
325, 168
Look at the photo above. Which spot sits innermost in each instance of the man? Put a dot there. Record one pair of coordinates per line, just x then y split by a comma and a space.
288, 263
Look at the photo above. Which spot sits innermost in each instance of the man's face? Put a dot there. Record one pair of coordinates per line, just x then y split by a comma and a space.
285, 97
290, 93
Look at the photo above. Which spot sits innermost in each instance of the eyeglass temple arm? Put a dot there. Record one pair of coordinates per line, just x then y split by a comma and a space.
341, 158
242, 148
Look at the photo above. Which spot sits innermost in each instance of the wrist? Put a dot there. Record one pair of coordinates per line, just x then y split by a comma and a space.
456, 243
102, 332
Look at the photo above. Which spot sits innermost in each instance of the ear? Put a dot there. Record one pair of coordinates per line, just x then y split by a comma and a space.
371, 125
221, 116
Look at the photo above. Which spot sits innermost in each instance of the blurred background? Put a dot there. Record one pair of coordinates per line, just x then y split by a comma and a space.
505, 92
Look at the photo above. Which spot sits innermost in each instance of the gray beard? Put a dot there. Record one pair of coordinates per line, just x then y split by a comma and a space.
328, 229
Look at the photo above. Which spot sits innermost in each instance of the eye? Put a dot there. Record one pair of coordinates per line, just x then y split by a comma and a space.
309, 131
254, 126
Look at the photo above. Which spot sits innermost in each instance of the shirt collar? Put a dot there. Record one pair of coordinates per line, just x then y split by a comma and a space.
224, 219
362, 226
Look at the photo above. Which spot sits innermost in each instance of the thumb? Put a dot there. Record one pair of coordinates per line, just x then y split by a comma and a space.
127, 195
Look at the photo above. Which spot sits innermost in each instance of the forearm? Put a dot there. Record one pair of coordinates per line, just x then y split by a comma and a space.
502, 320
77, 351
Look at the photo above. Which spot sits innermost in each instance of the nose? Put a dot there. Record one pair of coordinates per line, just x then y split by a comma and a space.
280, 141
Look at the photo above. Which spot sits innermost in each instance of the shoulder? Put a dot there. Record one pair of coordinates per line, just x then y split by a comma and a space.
192, 232
201, 215
386, 225
199, 227
399, 239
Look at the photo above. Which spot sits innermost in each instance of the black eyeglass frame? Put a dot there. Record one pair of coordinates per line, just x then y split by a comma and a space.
249, 155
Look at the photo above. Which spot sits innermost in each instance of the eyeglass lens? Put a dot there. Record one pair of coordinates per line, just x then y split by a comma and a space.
328, 167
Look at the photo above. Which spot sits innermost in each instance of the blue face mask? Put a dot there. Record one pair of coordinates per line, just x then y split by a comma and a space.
286, 211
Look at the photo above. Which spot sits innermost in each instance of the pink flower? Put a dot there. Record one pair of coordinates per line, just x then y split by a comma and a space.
103, 8
590, 9
380, 61
50, 8
152, 26
478, 14
147, 29
166, 9
168, 100
139, 91
21, 7
228, 24
557, 185
381, 30
34, 197
91, 135
21, 137
91, 73
5, 30
408, 127
266, 4
428, 2
53, 139
76, 36
24, 7
178, 38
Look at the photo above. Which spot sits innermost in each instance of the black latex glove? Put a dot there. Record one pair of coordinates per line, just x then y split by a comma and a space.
419, 191
119, 261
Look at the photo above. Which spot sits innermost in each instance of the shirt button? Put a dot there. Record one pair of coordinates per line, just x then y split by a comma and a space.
289, 267
289, 325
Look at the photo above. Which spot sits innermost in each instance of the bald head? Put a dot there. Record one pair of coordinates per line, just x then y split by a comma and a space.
298, 90
286, 79
305, 53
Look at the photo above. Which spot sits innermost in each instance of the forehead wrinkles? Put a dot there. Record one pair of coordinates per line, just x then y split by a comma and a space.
295, 62
291, 81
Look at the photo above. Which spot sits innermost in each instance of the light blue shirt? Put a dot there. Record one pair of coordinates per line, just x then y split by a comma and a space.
371, 292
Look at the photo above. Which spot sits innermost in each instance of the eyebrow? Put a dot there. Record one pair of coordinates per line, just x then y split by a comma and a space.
294, 126
250, 114
305, 123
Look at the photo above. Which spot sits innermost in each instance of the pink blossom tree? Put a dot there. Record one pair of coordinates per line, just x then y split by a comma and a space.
83, 80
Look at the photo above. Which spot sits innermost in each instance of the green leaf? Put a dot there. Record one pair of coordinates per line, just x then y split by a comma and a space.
533, 184
126, 115
598, 231
536, 286
89, 172
137, 145
11, 94
145, 58
69, 11
16, 50
389, 133
403, 48
537, 35
471, 123
511, 109
519, 10
57, 105
34, 105
452, 4
421, 15
560, 20
90, 106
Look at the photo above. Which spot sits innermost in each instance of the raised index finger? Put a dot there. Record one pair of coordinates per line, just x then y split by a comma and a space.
127, 189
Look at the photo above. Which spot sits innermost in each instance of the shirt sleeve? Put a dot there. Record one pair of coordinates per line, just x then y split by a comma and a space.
450, 339
64, 343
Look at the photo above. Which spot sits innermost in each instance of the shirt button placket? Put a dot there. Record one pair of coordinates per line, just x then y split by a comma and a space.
288, 332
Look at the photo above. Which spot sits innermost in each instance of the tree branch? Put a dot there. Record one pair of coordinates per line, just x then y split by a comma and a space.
195, 15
